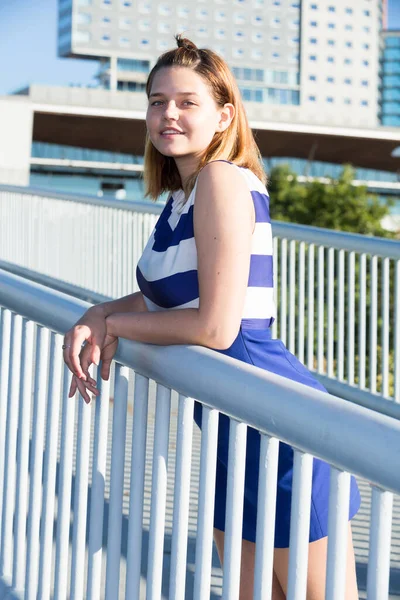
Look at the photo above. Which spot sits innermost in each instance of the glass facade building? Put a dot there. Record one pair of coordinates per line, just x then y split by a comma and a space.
390, 79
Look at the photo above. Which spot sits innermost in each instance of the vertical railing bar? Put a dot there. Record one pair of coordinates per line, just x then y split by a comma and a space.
9, 493
379, 546
204, 539
341, 316
138, 464
292, 295
64, 490
274, 329
25, 401
36, 462
283, 299
159, 493
362, 346
350, 320
181, 498
301, 320
299, 526
80, 500
5, 332
385, 326
117, 482
265, 533
373, 340
96, 516
310, 311
321, 310
331, 312
396, 340
234, 510
50, 465
338, 517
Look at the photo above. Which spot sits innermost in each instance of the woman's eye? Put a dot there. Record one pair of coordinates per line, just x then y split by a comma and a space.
189, 103
155, 103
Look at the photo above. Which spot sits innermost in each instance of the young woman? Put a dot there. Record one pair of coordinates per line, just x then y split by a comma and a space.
206, 278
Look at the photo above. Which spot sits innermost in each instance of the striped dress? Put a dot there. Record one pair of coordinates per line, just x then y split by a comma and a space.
167, 277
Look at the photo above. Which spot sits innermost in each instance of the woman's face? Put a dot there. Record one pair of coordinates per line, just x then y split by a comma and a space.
182, 115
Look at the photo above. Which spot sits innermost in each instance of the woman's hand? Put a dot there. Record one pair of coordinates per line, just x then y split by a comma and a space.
90, 328
106, 356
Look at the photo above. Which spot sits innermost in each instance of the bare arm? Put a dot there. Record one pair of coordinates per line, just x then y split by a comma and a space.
131, 303
223, 224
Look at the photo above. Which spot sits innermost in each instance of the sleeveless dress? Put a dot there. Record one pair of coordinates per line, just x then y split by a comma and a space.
167, 277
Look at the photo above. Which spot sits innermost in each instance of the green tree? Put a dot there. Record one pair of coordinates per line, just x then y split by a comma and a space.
337, 204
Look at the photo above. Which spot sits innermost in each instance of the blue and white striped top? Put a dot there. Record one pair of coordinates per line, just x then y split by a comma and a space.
167, 269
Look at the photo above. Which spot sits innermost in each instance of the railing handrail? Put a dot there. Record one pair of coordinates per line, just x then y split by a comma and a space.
348, 436
303, 233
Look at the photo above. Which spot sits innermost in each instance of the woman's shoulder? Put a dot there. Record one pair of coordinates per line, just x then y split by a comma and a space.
231, 173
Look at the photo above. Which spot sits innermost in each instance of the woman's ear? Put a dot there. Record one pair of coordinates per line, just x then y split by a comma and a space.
225, 118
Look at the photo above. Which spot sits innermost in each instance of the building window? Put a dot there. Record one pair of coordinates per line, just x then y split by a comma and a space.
330, 59
164, 27
364, 102
82, 37
366, 29
347, 81
276, 38
330, 79
312, 98
83, 19
313, 40
312, 57
144, 25
295, 5
106, 38
144, 43
349, 11
257, 54
239, 18
126, 3
276, 3
313, 23
257, 20
348, 44
329, 99
238, 52
124, 42
162, 45
145, 8
364, 83
258, 37
202, 13
105, 21
107, 3
239, 35
367, 13
314, 7
348, 27
331, 42
183, 12
347, 100
331, 9
275, 55
348, 61
220, 15
312, 77
164, 10
331, 25
365, 46
365, 63
125, 23
276, 22
220, 34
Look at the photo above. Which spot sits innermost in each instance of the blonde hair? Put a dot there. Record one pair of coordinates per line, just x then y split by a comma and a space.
235, 144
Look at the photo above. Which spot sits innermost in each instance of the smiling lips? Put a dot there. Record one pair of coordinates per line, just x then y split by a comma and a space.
171, 131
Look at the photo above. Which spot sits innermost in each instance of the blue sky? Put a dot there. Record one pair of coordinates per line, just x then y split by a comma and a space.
28, 46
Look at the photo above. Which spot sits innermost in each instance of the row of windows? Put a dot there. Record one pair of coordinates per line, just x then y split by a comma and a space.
391, 121
331, 100
346, 80
348, 10
267, 75
129, 64
347, 44
348, 27
392, 54
271, 96
131, 86
391, 107
391, 94
167, 10
331, 59
392, 81
391, 68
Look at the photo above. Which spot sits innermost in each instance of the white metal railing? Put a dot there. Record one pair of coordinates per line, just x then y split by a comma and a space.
337, 293
349, 437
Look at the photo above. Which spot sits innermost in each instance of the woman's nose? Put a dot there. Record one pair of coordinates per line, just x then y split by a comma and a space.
171, 111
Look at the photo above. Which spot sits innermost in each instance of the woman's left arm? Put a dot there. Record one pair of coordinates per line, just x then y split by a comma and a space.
223, 225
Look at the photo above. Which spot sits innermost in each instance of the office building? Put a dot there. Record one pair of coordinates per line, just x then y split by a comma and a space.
318, 57
390, 79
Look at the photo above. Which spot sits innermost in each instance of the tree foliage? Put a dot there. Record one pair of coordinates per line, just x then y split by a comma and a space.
337, 204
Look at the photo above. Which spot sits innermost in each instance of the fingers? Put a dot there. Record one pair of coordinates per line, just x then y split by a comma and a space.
85, 362
72, 348
95, 354
84, 387
105, 369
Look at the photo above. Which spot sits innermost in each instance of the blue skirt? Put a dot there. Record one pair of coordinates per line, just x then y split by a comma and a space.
257, 348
